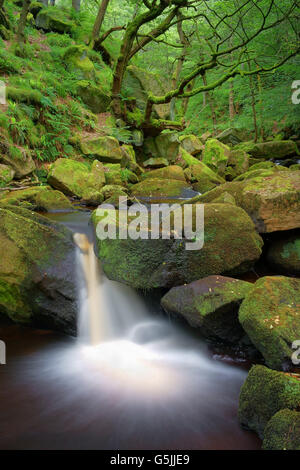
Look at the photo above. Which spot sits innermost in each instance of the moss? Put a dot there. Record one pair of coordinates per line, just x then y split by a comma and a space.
77, 60
52, 201
6, 175
191, 144
105, 149
155, 163
211, 305
20, 196
54, 19
203, 178
268, 150
93, 96
158, 188
260, 172
238, 163
185, 159
24, 95
216, 155
172, 172
270, 316
283, 431
264, 393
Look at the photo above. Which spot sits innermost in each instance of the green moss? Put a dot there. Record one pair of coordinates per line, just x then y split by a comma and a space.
93, 96
54, 19
105, 149
24, 95
158, 188
77, 60
283, 431
216, 155
172, 172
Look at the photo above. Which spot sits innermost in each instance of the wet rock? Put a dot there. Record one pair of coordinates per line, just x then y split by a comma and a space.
160, 189
210, 305
270, 315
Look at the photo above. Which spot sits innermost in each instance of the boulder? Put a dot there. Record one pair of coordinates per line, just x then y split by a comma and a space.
264, 393
93, 96
114, 174
74, 178
203, 178
229, 137
163, 146
185, 159
37, 271
77, 61
156, 163
6, 174
22, 166
172, 172
216, 156
191, 144
270, 316
105, 149
260, 172
160, 189
231, 246
283, 431
238, 163
52, 201
270, 150
284, 254
210, 305
272, 202
54, 19
37, 198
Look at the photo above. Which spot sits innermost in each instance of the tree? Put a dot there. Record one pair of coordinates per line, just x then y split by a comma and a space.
22, 20
99, 21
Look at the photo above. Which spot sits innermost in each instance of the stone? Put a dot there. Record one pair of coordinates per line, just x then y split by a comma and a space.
105, 149
203, 178
191, 144
54, 19
270, 150
6, 175
284, 254
216, 156
283, 431
155, 163
172, 172
96, 99
160, 189
229, 137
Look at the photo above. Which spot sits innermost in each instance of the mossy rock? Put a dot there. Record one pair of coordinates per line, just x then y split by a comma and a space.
191, 144
77, 61
6, 175
270, 316
225, 198
210, 305
283, 431
74, 178
203, 178
262, 166
295, 167
37, 198
20, 161
260, 172
216, 156
160, 189
172, 172
264, 393
284, 254
110, 190
54, 19
155, 163
166, 145
105, 149
185, 159
151, 263
238, 163
272, 202
53, 201
24, 95
35, 8
37, 271
229, 136
93, 96
270, 150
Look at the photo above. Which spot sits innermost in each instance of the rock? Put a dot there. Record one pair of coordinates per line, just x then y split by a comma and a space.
54, 19
270, 150
185, 159
203, 178
138, 137
6, 174
284, 254
156, 163
163, 146
35, 8
225, 198
260, 172
140, 81
172, 172
22, 166
272, 202
77, 61
283, 431
270, 315
210, 305
264, 393
37, 271
262, 166
191, 144
105, 149
160, 189
229, 137
93, 96
38, 197
52, 201
238, 163
114, 174
295, 167
111, 190
74, 178
151, 263
216, 156
204, 137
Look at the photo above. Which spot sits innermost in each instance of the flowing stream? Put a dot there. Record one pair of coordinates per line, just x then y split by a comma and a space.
133, 379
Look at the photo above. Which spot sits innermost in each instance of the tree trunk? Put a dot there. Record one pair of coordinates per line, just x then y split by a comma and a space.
211, 104
180, 62
99, 20
76, 4
22, 20
253, 104
231, 101
1, 4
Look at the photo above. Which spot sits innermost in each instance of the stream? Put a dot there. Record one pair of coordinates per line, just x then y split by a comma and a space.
133, 379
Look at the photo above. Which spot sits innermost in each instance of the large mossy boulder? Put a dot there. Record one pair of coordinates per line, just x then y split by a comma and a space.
229, 136
22, 164
284, 254
203, 178
270, 150
216, 156
155, 163
270, 316
166, 145
172, 172
283, 431
37, 198
160, 189
191, 144
6, 174
37, 271
96, 99
238, 164
273, 202
231, 246
185, 159
210, 305
105, 149
260, 172
77, 61
54, 19
264, 393
140, 82
77, 179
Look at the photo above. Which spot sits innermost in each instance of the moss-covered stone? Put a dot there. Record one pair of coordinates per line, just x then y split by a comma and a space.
216, 156
37, 284
52, 201
155, 163
272, 202
54, 19
159, 189
283, 431
75, 178
284, 254
185, 159
225, 198
264, 393
105, 149
260, 172
165, 145
20, 162
191, 144
24, 95
238, 163
295, 167
93, 96
270, 150
172, 172
229, 136
210, 305
161, 262
77, 61
270, 315
203, 178
6, 174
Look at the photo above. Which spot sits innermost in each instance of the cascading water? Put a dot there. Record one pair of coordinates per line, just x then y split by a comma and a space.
131, 380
